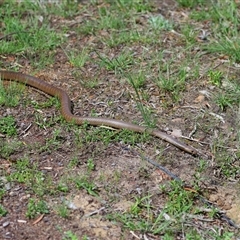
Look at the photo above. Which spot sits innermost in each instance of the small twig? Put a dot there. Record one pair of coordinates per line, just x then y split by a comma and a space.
191, 107
134, 235
38, 219
219, 213
26, 129
161, 168
1, 135
193, 131
217, 116
145, 237
195, 140
156, 165
94, 212
198, 217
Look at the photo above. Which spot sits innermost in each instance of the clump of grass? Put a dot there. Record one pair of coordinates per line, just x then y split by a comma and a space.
190, 3
36, 207
28, 174
118, 64
63, 211
215, 77
226, 40
85, 183
8, 148
160, 23
69, 235
38, 45
10, 95
53, 142
179, 203
8, 126
78, 58
172, 85
3, 211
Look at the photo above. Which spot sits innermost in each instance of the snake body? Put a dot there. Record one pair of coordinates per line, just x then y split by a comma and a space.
94, 121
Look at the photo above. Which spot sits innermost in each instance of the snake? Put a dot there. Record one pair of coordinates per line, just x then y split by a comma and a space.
66, 110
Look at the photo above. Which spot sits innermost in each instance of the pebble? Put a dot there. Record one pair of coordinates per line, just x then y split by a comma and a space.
5, 224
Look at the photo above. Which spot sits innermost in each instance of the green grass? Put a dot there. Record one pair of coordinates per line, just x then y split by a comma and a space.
52, 101
52, 143
39, 45
158, 23
106, 136
145, 65
215, 77
78, 59
3, 211
143, 217
225, 39
36, 207
8, 126
121, 63
62, 211
7, 148
10, 97
172, 85
28, 174
71, 236
85, 183
190, 3
90, 164
124, 37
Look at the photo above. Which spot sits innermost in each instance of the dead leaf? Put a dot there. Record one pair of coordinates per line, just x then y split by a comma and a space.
199, 99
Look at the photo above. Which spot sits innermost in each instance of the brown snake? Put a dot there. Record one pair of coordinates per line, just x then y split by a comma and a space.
94, 121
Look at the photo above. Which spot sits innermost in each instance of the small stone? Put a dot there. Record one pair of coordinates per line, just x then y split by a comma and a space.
21, 221
8, 186
5, 224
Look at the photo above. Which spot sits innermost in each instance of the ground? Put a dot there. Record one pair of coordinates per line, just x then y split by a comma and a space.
94, 180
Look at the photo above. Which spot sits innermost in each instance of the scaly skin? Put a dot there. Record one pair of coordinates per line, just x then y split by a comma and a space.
95, 121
